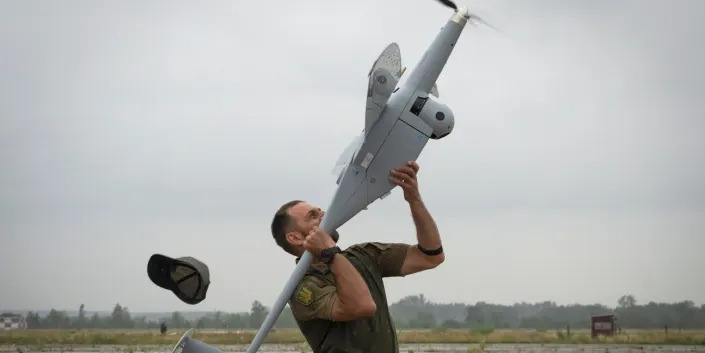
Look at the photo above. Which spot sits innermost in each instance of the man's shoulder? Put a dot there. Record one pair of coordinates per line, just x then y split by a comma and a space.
388, 258
375, 246
307, 289
312, 298
370, 245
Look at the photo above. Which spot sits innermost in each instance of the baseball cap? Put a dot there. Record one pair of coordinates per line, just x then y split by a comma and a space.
186, 277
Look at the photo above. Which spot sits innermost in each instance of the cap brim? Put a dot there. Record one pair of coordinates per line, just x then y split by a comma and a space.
159, 271
186, 277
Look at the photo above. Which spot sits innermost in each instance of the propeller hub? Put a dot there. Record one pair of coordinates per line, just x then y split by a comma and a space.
461, 16
463, 11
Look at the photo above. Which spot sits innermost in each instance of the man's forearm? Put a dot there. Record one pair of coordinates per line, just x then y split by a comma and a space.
352, 288
426, 230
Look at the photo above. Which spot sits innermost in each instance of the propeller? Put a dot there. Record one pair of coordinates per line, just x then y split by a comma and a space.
473, 18
449, 3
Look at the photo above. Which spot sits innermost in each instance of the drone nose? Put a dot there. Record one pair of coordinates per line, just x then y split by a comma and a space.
463, 11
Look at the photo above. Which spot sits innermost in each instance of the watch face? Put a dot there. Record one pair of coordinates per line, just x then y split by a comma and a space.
327, 254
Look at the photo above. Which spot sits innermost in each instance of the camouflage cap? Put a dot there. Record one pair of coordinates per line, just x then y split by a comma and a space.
186, 277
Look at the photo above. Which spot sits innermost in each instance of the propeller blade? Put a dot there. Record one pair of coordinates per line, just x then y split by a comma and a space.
473, 17
449, 3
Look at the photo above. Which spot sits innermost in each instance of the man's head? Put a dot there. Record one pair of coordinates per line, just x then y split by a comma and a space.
292, 222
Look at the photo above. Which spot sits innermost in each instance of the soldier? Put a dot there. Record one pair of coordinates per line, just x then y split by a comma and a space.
340, 305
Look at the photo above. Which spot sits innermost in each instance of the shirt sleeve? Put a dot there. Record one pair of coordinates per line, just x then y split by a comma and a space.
313, 300
390, 257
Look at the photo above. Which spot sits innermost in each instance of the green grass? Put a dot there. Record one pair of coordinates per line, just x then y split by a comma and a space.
293, 336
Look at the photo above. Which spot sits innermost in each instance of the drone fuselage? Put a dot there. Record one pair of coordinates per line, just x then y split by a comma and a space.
409, 119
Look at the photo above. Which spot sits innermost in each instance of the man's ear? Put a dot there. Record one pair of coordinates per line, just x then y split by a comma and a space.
295, 238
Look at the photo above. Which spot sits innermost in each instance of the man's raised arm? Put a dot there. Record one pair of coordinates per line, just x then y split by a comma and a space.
428, 253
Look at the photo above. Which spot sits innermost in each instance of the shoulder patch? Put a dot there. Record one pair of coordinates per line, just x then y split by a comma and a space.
304, 295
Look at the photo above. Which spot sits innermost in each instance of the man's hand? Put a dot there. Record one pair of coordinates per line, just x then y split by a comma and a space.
405, 177
318, 240
426, 231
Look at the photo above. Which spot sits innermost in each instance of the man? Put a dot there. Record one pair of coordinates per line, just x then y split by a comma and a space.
340, 305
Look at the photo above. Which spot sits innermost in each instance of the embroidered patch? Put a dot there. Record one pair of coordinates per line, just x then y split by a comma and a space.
304, 296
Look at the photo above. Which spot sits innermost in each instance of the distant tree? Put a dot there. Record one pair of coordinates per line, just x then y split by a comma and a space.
95, 321
286, 319
627, 301
238, 320
178, 320
453, 324
120, 317
423, 320
33, 321
57, 319
258, 313
474, 316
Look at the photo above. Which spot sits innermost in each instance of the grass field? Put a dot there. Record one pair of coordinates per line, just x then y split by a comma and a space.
293, 336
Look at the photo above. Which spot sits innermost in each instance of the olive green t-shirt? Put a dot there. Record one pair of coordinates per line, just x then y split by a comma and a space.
312, 303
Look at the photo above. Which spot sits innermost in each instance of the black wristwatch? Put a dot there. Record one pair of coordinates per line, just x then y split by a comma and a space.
328, 254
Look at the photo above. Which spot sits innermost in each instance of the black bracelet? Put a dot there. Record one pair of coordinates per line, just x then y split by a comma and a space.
430, 252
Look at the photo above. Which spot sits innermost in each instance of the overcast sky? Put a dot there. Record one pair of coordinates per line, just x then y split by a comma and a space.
575, 173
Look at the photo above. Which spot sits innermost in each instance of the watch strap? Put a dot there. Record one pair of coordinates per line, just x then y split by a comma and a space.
328, 254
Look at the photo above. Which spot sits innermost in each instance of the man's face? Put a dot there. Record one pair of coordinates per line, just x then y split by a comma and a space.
305, 216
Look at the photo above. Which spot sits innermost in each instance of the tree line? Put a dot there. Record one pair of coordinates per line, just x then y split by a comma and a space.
413, 311
418, 312
121, 318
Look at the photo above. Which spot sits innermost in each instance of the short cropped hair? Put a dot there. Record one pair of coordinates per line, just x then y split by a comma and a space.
280, 223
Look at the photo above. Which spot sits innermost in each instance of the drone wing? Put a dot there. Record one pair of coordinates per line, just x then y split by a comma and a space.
347, 156
382, 79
